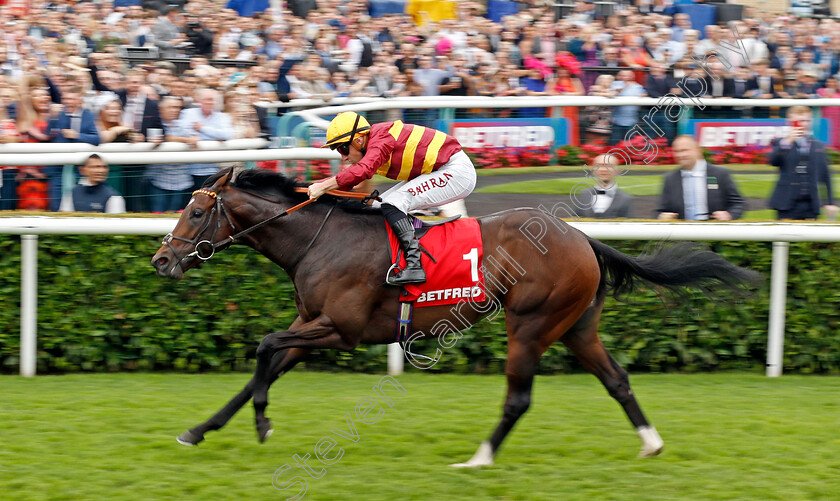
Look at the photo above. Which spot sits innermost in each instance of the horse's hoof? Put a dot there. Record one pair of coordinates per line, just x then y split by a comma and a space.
483, 457
652, 443
651, 452
470, 464
189, 438
264, 430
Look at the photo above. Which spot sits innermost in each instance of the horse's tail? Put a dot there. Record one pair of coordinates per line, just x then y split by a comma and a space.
685, 265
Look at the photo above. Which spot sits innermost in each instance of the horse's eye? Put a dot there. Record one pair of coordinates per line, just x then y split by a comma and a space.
197, 213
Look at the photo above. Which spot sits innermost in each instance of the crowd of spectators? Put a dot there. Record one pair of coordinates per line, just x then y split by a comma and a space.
64, 77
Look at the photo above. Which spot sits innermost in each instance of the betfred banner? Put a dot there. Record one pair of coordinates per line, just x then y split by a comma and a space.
713, 134
508, 133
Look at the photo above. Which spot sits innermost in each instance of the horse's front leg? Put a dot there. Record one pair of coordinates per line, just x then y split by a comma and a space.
281, 363
319, 333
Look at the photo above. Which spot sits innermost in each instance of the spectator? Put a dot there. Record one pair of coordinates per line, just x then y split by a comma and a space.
765, 87
625, 116
681, 24
311, 84
110, 125
610, 58
92, 194
809, 87
803, 164
659, 84
286, 77
634, 55
140, 111
204, 123
167, 32
609, 201
112, 130
199, 36
8, 134
243, 116
596, 119
68, 123
589, 55
29, 185
831, 113
697, 190
566, 81
755, 49
168, 182
428, 76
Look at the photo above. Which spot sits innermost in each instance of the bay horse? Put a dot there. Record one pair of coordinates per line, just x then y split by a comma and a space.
550, 278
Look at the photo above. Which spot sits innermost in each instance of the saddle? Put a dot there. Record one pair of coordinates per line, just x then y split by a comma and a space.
421, 226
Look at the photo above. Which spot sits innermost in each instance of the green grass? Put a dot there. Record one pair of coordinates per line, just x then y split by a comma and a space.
750, 185
503, 171
640, 167
728, 436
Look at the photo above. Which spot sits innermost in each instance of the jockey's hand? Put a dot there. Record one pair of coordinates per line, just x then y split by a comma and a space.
321, 187
317, 189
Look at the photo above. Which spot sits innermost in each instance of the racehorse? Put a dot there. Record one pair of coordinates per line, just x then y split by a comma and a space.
550, 278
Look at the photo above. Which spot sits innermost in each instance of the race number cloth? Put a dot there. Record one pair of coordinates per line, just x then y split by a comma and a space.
457, 275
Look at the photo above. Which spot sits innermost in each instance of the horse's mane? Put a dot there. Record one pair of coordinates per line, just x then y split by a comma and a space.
275, 186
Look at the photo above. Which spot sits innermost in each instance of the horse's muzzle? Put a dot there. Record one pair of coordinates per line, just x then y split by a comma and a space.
165, 266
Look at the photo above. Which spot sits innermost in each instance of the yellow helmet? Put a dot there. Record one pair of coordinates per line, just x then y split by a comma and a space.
344, 128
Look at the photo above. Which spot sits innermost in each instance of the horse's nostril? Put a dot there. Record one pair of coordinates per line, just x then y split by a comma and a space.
162, 261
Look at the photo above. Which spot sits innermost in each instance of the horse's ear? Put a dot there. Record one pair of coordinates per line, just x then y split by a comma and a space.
234, 173
227, 177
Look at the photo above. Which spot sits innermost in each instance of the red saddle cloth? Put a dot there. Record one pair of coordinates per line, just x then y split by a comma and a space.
457, 275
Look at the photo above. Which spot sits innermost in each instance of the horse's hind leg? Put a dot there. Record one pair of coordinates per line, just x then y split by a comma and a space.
281, 363
582, 339
521, 365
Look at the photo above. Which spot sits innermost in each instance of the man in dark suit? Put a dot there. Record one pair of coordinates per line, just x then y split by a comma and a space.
142, 114
69, 123
605, 201
697, 190
765, 87
803, 164
658, 84
138, 111
741, 85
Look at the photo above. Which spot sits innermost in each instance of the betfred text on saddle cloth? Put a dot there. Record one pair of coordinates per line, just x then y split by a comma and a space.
455, 273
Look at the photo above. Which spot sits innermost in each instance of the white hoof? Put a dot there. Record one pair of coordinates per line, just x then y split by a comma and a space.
482, 457
184, 442
652, 443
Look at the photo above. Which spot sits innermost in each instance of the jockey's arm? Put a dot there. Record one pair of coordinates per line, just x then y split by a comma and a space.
321, 187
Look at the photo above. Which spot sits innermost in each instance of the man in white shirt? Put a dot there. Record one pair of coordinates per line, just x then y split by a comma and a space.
697, 190
204, 123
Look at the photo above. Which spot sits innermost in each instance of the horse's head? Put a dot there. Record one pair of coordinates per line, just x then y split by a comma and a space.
203, 228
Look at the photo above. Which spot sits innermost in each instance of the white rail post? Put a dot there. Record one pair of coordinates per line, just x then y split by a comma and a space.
28, 304
778, 296
396, 359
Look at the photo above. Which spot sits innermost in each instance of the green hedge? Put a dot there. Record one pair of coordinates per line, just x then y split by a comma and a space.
102, 308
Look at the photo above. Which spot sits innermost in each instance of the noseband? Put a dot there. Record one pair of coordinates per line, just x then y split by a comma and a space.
204, 249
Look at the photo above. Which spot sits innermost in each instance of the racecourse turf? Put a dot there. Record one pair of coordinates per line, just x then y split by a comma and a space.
749, 185
728, 436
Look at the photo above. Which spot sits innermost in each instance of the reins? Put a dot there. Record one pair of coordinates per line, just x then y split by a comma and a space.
212, 247
335, 193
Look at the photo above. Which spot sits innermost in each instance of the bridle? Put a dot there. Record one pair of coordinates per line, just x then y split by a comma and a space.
205, 249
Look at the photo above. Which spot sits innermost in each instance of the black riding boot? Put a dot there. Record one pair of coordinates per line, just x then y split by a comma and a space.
403, 226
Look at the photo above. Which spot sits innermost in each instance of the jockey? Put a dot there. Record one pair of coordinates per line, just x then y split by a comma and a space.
431, 166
